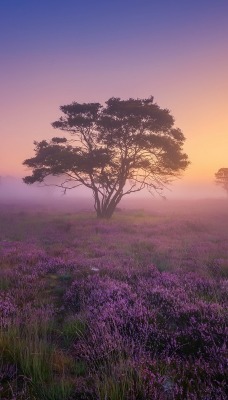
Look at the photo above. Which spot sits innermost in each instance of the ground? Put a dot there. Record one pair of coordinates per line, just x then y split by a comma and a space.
131, 308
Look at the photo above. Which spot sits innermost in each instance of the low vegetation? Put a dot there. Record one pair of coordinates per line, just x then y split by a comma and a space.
128, 309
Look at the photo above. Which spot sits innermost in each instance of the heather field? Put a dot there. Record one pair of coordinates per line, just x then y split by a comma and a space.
133, 308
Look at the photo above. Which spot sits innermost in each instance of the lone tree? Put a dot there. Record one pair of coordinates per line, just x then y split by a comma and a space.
113, 150
221, 178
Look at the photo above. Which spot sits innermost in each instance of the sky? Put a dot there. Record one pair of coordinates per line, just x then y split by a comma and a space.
54, 52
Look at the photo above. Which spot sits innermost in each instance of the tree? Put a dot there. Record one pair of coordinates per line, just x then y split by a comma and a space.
221, 178
113, 150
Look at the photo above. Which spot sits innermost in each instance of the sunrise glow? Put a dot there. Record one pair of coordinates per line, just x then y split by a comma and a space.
54, 55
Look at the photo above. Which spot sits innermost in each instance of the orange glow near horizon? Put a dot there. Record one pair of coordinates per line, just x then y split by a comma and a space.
185, 71
201, 117
206, 133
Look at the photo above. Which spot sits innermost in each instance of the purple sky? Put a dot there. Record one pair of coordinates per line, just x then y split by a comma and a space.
55, 52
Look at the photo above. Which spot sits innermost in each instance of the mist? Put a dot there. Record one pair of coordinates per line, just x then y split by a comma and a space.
179, 198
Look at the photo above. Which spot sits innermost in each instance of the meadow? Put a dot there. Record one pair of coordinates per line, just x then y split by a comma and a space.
132, 308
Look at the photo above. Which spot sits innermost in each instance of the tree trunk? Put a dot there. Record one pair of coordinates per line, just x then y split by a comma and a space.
107, 212
106, 209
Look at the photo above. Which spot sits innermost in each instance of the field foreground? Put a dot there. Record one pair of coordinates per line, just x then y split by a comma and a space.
128, 309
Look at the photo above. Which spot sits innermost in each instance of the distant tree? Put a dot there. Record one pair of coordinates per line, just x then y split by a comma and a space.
221, 178
113, 150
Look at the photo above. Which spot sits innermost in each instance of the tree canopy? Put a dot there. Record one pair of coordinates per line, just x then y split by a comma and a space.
221, 178
113, 150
